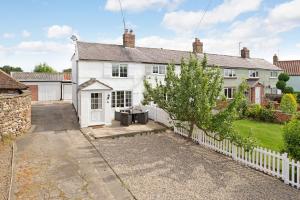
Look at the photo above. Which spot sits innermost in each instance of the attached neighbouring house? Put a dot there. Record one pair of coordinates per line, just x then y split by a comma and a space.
15, 107
46, 86
292, 68
108, 77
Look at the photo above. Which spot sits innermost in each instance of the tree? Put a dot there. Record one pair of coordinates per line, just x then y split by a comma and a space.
281, 85
191, 96
288, 104
288, 90
283, 78
69, 70
43, 67
8, 69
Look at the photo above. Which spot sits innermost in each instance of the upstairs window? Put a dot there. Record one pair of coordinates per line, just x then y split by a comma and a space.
229, 73
159, 69
274, 74
253, 74
119, 70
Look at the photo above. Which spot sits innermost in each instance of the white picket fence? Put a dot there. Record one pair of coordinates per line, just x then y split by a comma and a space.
262, 159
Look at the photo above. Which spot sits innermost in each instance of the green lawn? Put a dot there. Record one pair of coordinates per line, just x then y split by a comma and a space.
267, 135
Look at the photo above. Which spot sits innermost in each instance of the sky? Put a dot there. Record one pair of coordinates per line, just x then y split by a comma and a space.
36, 31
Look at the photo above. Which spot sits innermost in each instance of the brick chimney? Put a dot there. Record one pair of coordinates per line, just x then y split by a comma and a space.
275, 59
245, 53
197, 46
128, 39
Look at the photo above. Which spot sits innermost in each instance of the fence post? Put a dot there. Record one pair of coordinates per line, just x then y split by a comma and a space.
234, 150
285, 168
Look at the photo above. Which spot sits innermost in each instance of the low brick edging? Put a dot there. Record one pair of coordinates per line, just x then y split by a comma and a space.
15, 114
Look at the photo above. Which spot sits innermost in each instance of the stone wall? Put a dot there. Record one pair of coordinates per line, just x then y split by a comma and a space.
15, 114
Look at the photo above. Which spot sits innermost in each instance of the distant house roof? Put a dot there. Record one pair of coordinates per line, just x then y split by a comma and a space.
291, 67
34, 76
90, 82
117, 53
9, 83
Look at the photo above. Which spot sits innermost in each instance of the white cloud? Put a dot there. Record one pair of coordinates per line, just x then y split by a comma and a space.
57, 31
8, 35
43, 47
140, 5
284, 17
27, 54
26, 34
182, 21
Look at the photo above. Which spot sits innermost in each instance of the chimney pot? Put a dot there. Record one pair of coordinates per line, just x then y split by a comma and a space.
245, 53
197, 46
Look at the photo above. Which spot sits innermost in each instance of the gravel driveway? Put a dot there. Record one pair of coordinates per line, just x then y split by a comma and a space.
166, 166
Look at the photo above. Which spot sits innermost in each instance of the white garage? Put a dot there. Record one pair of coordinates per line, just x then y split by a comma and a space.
46, 86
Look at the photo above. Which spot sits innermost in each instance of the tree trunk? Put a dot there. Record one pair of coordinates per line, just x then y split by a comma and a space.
191, 129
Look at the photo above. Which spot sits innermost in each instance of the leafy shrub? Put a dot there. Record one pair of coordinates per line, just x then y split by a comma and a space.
266, 115
283, 77
280, 85
291, 136
259, 113
253, 111
288, 90
288, 104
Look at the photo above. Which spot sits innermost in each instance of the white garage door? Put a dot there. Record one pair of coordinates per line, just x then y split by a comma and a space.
49, 92
67, 91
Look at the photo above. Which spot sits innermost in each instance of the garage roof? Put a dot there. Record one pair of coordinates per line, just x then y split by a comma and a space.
34, 76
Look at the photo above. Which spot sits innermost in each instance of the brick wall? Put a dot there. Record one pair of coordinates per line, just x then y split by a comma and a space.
15, 114
34, 92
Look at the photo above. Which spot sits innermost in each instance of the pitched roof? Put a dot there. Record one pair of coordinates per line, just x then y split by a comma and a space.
7, 82
90, 82
291, 67
111, 52
34, 76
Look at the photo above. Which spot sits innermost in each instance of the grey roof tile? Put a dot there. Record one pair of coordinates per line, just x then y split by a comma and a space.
117, 53
34, 76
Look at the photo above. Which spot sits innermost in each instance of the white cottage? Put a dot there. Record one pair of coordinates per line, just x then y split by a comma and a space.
107, 77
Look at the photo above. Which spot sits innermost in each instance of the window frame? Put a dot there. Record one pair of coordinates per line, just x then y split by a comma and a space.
231, 73
121, 72
271, 74
159, 69
121, 99
232, 92
96, 102
251, 72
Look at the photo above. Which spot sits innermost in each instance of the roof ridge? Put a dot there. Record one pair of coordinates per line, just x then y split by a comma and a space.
186, 51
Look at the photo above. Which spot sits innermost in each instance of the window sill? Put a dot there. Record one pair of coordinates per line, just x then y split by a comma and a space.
227, 77
273, 77
253, 77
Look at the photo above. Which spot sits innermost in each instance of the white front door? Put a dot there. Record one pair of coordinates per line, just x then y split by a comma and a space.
257, 95
96, 109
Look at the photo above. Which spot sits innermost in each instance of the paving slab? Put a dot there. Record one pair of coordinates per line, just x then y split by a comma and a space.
116, 130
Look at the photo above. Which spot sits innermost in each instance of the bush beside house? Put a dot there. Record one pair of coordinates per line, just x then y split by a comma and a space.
288, 104
291, 135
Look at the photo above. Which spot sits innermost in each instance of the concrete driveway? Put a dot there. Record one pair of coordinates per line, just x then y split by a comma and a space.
56, 161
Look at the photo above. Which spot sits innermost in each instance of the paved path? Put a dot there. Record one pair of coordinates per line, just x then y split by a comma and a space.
166, 166
57, 162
